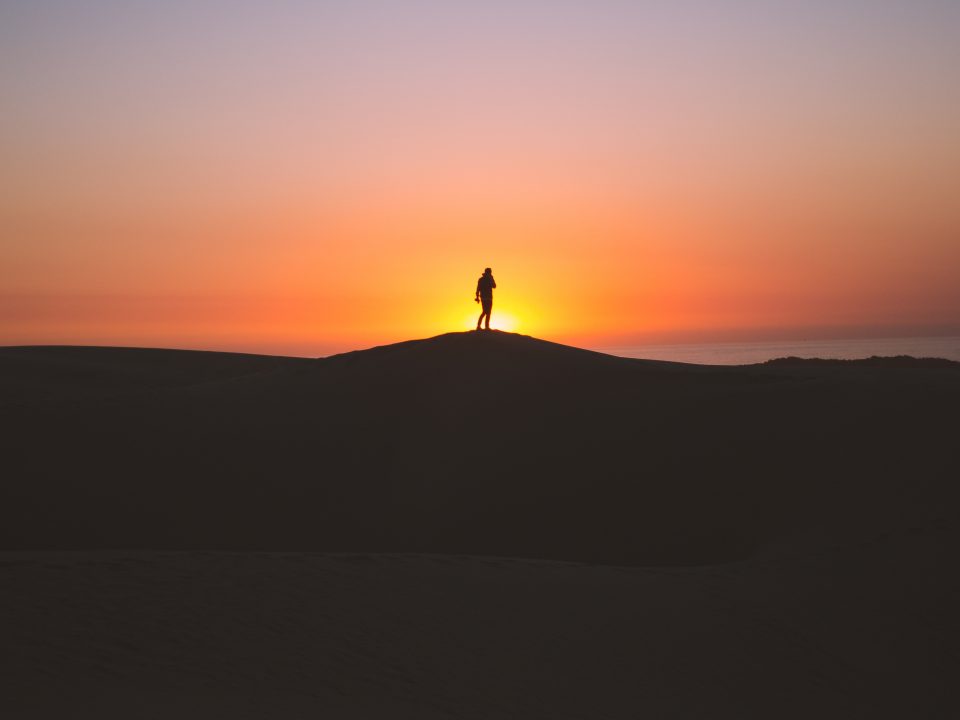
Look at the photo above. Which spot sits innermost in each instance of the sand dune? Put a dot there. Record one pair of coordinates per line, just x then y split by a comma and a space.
469, 443
862, 631
476, 525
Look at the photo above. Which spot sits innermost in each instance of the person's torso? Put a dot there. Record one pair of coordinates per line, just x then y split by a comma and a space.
485, 283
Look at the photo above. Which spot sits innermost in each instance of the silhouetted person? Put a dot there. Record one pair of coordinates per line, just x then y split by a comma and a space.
484, 296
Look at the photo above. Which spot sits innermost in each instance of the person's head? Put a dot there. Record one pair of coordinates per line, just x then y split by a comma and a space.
487, 271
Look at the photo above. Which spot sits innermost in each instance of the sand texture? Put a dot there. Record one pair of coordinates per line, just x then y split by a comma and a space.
479, 525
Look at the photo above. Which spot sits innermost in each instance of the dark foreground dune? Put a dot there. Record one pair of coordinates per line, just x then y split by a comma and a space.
476, 525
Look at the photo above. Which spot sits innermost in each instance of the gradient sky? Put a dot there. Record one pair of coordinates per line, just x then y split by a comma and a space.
305, 177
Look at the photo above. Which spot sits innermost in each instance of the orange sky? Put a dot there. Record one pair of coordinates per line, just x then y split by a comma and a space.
305, 180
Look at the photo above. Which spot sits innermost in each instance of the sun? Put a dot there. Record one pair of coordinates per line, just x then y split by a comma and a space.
498, 321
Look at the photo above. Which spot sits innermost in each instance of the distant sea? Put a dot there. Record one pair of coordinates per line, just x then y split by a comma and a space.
757, 352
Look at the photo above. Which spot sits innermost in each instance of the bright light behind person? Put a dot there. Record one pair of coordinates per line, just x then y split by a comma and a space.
498, 321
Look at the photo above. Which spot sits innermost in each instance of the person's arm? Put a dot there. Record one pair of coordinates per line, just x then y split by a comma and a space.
476, 295
493, 283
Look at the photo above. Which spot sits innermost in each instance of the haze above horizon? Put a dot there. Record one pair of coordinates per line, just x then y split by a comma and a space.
290, 176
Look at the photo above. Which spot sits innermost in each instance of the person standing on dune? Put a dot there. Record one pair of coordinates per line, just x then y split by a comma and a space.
484, 296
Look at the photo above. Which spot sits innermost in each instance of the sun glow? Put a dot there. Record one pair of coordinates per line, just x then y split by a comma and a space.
498, 320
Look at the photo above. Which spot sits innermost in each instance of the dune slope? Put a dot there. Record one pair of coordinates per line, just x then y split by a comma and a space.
473, 443
475, 526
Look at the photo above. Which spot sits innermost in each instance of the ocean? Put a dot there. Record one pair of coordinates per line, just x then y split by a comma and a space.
757, 352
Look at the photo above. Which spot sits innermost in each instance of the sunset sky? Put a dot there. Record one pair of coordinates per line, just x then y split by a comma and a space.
307, 177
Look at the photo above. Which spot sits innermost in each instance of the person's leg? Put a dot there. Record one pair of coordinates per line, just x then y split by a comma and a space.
487, 307
480, 319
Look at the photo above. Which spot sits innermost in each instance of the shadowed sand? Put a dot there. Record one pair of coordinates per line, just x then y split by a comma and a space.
476, 525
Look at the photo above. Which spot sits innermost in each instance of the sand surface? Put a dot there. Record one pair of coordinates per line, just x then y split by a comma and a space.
477, 526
